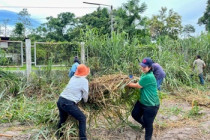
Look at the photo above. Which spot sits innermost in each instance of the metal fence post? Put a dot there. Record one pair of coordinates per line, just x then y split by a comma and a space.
83, 52
28, 58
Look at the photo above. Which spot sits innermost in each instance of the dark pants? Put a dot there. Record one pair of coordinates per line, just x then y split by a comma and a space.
67, 107
201, 78
145, 115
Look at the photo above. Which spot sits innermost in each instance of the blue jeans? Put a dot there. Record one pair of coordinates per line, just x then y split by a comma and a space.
201, 78
145, 115
67, 107
159, 83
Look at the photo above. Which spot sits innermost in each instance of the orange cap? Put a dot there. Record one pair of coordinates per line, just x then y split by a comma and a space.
82, 70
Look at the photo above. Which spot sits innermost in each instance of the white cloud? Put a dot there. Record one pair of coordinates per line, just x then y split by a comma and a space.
190, 10
77, 6
186, 8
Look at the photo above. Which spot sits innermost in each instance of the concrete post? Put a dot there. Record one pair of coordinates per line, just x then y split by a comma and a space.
35, 54
82, 52
28, 58
21, 54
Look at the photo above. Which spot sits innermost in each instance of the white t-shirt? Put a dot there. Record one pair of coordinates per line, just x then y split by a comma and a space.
198, 64
76, 89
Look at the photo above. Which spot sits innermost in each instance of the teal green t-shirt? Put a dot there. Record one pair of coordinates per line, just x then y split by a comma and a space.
148, 92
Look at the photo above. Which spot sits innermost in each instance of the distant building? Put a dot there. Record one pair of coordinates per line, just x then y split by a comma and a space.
4, 38
4, 42
14, 57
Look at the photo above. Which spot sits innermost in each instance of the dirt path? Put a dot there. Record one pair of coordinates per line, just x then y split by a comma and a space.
15, 131
173, 122
176, 121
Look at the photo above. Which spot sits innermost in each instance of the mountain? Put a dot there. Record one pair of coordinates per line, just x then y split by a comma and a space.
13, 18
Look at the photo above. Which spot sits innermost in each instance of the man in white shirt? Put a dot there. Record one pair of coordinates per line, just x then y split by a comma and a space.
75, 91
198, 66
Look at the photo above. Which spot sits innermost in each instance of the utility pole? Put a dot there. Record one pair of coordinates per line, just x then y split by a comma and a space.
111, 13
112, 28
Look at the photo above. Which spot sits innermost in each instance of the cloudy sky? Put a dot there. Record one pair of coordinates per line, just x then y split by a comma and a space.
190, 10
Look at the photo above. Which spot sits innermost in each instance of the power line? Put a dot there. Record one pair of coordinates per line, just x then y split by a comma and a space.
45, 7
11, 19
101, 5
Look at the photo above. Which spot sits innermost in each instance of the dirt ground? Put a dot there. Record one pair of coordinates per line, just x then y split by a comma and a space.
172, 123
15, 131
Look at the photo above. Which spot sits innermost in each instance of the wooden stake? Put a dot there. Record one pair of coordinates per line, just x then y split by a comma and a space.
5, 135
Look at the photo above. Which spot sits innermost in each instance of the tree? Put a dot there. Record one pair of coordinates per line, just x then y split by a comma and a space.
128, 18
188, 29
19, 30
205, 19
5, 22
165, 25
39, 34
57, 28
1, 32
98, 19
24, 18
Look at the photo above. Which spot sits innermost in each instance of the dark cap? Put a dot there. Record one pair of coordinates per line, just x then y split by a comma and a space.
76, 59
146, 62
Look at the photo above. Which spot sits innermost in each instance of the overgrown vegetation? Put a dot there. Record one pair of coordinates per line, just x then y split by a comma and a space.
36, 102
111, 57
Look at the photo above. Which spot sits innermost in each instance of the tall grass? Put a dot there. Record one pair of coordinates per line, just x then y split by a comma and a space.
119, 53
10, 84
36, 102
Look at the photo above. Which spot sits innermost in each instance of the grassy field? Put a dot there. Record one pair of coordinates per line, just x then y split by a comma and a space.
33, 68
28, 109
32, 112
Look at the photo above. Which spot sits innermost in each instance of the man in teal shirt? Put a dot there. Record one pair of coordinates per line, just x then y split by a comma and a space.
147, 106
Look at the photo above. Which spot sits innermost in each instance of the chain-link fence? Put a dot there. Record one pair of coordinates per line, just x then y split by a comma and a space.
55, 54
11, 53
